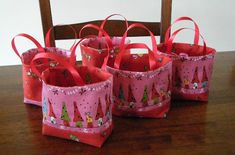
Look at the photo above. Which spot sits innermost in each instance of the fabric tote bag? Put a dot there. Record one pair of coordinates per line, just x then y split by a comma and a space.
142, 82
76, 101
192, 67
94, 50
31, 82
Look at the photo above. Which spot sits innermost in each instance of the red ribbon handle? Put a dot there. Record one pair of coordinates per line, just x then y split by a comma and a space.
196, 36
73, 50
135, 25
151, 55
48, 35
38, 45
106, 19
170, 41
108, 39
123, 47
108, 42
61, 60
136, 45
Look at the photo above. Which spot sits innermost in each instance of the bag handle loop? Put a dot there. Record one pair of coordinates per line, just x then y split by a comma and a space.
170, 41
108, 43
135, 25
153, 52
38, 45
106, 19
196, 35
48, 35
107, 37
72, 58
61, 60
151, 55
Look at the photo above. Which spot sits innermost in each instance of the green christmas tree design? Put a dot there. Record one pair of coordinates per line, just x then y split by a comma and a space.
44, 108
121, 93
64, 115
145, 97
121, 97
155, 95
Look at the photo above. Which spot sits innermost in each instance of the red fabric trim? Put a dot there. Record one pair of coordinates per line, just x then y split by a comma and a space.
94, 139
191, 97
158, 112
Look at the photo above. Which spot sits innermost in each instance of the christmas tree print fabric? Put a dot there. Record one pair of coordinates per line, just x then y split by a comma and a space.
79, 113
142, 94
192, 71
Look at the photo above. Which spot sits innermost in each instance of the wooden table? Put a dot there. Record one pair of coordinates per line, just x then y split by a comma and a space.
190, 128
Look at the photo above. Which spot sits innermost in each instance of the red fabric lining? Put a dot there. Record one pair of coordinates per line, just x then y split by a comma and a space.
140, 62
28, 56
31, 82
61, 77
91, 56
191, 50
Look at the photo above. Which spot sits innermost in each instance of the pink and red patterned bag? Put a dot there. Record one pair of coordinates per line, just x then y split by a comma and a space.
142, 82
31, 83
76, 100
192, 66
94, 50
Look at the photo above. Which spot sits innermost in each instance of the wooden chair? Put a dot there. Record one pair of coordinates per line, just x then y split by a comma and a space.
113, 27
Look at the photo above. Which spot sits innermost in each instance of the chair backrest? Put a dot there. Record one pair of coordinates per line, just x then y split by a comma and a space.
113, 27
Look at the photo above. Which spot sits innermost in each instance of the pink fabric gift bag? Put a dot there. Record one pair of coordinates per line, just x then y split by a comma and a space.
31, 83
142, 82
192, 66
76, 100
94, 49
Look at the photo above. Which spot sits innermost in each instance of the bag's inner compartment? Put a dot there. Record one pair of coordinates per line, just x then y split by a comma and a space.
97, 48
140, 62
62, 77
189, 49
29, 55
100, 43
